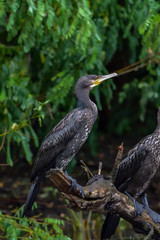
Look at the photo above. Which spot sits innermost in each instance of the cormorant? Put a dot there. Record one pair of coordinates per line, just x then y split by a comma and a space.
66, 138
134, 176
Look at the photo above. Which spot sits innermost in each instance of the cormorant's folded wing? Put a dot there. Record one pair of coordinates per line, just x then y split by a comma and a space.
57, 139
130, 165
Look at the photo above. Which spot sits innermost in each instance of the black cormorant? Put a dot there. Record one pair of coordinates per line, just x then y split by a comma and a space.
134, 176
66, 138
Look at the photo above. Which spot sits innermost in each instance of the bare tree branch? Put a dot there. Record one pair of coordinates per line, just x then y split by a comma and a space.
101, 193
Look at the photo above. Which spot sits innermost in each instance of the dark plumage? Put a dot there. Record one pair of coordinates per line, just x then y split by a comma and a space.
66, 138
135, 174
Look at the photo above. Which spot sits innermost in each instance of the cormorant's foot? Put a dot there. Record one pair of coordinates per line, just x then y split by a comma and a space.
139, 208
77, 188
155, 216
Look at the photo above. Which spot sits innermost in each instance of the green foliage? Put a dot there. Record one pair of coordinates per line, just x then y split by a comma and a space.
47, 45
22, 228
149, 27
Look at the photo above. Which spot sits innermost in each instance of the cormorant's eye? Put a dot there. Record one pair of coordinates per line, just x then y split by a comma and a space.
97, 77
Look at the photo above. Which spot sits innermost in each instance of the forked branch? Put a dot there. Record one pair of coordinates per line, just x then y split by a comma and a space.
100, 193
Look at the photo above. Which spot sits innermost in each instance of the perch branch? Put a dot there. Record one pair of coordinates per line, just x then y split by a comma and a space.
100, 193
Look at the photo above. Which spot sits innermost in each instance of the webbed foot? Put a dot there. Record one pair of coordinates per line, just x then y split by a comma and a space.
139, 208
155, 216
75, 186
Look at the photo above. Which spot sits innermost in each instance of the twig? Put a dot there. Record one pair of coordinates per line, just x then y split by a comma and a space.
50, 111
4, 164
150, 234
7, 164
100, 168
86, 169
3, 139
132, 69
117, 162
139, 64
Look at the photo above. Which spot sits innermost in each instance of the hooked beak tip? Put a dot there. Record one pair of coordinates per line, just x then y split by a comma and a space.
105, 77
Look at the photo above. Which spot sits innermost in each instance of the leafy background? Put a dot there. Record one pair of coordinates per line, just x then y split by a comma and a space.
45, 46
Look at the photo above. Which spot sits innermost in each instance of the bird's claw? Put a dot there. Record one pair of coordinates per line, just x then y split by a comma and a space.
155, 216
139, 208
76, 188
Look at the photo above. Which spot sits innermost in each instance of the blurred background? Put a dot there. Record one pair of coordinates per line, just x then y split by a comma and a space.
45, 46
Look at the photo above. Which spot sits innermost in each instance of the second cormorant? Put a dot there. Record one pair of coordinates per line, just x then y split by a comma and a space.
66, 138
134, 176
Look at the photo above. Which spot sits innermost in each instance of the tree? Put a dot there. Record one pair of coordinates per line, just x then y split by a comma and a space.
46, 46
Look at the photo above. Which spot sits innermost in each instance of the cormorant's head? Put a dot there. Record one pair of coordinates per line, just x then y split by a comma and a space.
90, 81
85, 84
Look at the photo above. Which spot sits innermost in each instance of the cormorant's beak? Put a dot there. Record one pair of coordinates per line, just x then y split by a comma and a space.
103, 78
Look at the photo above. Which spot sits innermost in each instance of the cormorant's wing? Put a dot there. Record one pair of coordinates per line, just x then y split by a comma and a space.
57, 139
130, 165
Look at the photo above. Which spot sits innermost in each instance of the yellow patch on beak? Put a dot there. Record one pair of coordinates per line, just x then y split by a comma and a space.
97, 82
102, 78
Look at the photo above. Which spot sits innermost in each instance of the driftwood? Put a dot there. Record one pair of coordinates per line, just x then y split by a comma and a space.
100, 193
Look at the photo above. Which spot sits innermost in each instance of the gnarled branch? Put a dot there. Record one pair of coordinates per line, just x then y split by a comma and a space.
100, 193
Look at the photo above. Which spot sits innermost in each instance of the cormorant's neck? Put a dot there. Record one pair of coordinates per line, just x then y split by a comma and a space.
82, 98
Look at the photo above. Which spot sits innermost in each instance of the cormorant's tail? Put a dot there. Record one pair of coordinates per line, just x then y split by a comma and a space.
109, 226
31, 196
